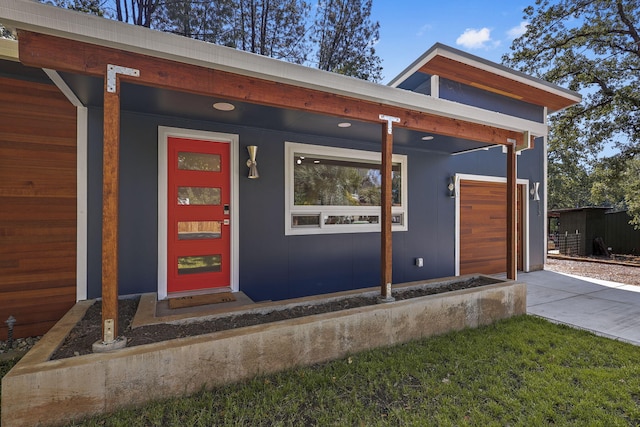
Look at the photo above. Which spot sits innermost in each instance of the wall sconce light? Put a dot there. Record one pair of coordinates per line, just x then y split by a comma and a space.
534, 191
453, 182
251, 163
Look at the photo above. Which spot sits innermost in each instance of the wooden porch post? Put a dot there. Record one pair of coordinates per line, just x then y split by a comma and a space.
512, 210
110, 200
386, 245
110, 196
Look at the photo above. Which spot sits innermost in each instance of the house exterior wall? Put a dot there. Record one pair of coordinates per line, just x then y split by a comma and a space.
272, 265
38, 203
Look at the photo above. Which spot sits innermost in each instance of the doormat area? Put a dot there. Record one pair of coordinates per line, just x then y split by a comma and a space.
196, 300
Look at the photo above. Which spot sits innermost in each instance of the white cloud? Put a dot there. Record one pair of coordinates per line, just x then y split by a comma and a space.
475, 39
424, 29
516, 32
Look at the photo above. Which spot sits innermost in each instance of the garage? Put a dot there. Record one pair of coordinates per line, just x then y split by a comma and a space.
482, 214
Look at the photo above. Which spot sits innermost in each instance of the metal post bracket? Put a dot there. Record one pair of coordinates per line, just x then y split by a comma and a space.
114, 70
390, 120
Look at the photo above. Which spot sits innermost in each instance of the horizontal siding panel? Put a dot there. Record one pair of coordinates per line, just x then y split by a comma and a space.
39, 264
26, 158
38, 209
35, 281
12, 136
24, 298
39, 280
68, 245
49, 208
39, 125
483, 229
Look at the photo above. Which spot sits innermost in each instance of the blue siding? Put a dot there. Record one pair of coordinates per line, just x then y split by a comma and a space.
469, 95
274, 266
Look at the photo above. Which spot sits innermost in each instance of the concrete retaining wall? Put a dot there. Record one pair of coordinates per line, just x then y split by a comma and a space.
39, 391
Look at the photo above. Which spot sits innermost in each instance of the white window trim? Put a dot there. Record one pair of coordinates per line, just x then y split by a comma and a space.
339, 153
163, 134
525, 219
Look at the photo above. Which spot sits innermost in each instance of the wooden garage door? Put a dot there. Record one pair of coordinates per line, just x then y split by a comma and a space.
483, 227
37, 206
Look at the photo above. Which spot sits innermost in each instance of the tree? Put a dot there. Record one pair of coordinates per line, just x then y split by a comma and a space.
274, 28
92, 7
591, 46
207, 20
5, 34
137, 12
569, 178
345, 39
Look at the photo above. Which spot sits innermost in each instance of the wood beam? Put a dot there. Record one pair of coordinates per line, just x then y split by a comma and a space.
110, 194
386, 237
512, 211
473, 76
44, 51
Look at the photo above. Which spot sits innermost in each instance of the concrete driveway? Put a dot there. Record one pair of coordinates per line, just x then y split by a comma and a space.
606, 308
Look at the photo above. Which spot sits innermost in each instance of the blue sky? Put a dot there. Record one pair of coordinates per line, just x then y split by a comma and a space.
410, 27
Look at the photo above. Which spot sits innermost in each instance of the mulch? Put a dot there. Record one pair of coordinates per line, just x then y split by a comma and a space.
88, 330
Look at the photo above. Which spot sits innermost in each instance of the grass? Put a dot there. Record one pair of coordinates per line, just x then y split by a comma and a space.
519, 372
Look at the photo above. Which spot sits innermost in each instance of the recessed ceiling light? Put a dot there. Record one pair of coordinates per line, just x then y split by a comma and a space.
224, 106
344, 125
427, 138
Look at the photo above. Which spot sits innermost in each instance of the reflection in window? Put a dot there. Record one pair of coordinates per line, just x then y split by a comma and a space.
198, 161
329, 182
351, 219
338, 190
198, 196
306, 220
199, 230
199, 264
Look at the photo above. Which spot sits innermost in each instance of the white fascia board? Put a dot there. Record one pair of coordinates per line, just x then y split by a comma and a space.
46, 19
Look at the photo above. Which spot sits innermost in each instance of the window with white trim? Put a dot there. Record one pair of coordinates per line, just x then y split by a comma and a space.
338, 190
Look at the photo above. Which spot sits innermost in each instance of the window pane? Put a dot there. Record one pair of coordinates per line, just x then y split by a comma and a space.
197, 230
305, 220
198, 196
198, 162
330, 182
199, 264
351, 219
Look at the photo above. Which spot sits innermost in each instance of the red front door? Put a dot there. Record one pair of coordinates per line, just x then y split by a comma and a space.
198, 239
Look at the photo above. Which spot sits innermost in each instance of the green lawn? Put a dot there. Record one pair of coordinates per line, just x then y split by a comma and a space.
520, 372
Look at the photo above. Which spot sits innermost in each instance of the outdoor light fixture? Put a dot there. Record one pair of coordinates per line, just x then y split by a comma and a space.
453, 181
251, 163
534, 191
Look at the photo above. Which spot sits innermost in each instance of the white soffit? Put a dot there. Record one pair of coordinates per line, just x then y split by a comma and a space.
9, 49
47, 19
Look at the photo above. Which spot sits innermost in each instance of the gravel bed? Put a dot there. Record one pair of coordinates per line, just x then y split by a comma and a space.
629, 275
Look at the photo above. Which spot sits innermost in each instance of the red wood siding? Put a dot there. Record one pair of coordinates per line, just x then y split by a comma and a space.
38, 206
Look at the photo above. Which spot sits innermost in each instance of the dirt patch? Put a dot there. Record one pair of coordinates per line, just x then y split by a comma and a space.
88, 330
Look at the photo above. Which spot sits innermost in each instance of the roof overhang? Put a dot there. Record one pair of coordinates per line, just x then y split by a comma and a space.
44, 19
462, 67
9, 50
